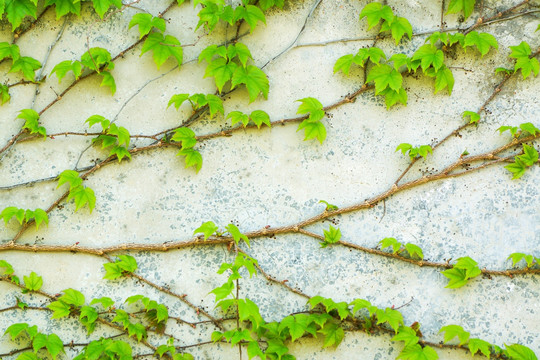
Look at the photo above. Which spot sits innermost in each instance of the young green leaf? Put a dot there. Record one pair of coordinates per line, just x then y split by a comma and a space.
72, 297
513, 129
60, 309
82, 196
393, 96
530, 155
238, 117
329, 207
127, 263
474, 116
414, 251
482, 41
333, 334
105, 301
429, 55
529, 128
374, 12
108, 80
97, 59
417, 352
399, 27
192, 158
101, 6
444, 79
467, 6
331, 236
391, 316
215, 104
344, 64
407, 335
31, 124
236, 234
221, 292
451, 331
221, 70
34, 282
121, 133
517, 168
163, 47
178, 100
62, 68
146, 23
251, 14
88, 317
71, 177
385, 76
12, 211
207, 228
186, 136
296, 326
16, 11
254, 78
240, 51
359, 304
313, 107
313, 130
120, 152
520, 352
374, 54
517, 257
64, 7
390, 242
7, 50
260, 117
476, 345
4, 94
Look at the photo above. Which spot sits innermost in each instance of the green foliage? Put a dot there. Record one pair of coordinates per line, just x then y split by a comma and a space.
361, 59
105, 349
67, 304
115, 137
101, 6
229, 64
258, 117
27, 65
375, 12
236, 234
17, 10
522, 162
329, 207
414, 152
451, 331
473, 116
476, 345
34, 282
64, 7
62, 68
198, 101
163, 47
529, 259
123, 266
417, 352
38, 215
31, 123
398, 248
313, 127
146, 23
331, 236
465, 6
464, 269
207, 228
520, 352
482, 41
524, 61
169, 348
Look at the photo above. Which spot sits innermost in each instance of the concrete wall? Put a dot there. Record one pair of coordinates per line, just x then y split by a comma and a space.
272, 177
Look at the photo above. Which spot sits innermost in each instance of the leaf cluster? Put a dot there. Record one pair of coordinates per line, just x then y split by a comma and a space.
115, 137
313, 126
398, 248
24, 216
81, 194
414, 151
25, 64
51, 344
461, 272
398, 26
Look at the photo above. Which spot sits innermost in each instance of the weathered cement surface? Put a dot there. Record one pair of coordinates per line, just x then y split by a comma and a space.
271, 177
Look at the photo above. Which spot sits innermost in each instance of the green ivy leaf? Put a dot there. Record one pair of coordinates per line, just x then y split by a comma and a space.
15, 329
251, 14
9, 51
374, 54
429, 55
222, 71
186, 136
64, 7
62, 68
121, 133
72, 297
398, 26
390, 242
385, 76
249, 311
329, 207
105, 301
407, 335
520, 352
17, 10
60, 309
236, 234
359, 304
313, 107
482, 41
127, 263
192, 158
517, 168
238, 117
393, 96
71, 177
27, 355
530, 128
207, 228
120, 152
530, 155
8, 269
12, 211
260, 117
34, 282
414, 251
451, 331
255, 80
391, 316
331, 236
215, 104
476, 345
344, 64
416, 352
240, 51
517, 257
221, 292
101, 6
374, 12
527, 65
97, 59
178, 100
4, 94
296, 326
137, 330
146, 23
163, 47
467, 6
313, 130
254, 350
513, 129
108, 80
88, 317
444, 79
474, 116
82, 196
51, 342
27, 65
31, 123
333, 334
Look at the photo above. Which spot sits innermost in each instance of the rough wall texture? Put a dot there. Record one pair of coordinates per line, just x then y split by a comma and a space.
270, 177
